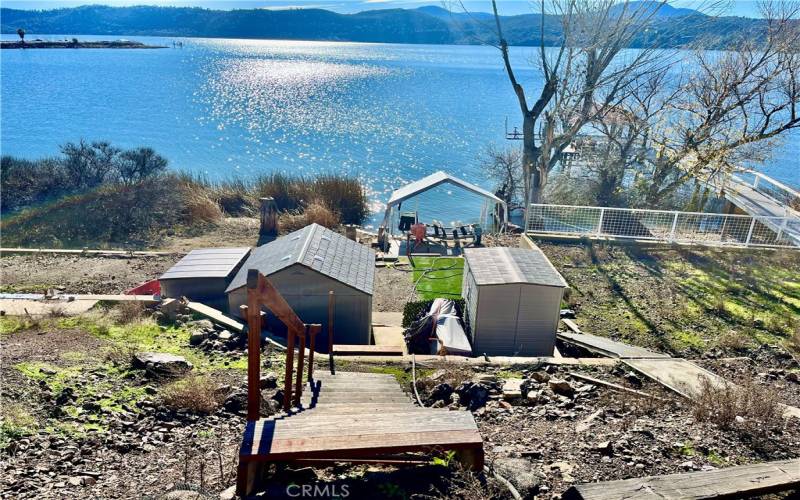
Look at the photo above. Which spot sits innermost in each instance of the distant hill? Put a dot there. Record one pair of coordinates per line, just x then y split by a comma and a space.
431, 25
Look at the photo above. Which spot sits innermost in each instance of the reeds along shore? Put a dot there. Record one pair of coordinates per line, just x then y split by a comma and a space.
98, 195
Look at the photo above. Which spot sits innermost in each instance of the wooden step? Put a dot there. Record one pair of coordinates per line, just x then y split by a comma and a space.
367, 350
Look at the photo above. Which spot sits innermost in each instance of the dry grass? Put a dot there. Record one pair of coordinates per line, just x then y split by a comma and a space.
443, 372
200, 206
121, 355
130, 312
196, 394
734, 341
467, 485
748, 409
315, 212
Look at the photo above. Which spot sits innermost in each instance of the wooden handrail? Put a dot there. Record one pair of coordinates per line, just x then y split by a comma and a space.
261, 292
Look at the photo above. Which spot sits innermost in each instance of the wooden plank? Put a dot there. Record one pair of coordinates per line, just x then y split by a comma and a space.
367, 350
677, 374
608, 347
685, 378
732, 482
333, 446
120, 253
215, 316
613, 386
146, 299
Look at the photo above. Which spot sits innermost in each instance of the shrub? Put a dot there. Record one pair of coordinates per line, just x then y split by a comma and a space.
343, 195
114, 214
121, 355
747, 409
196, 394
314, 213
415, 310
128, 312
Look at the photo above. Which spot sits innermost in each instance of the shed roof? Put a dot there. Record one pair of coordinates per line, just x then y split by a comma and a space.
207, 263
500, 266
434, 180
317, 248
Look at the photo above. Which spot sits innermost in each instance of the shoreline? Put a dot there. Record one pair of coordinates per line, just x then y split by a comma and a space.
67, 44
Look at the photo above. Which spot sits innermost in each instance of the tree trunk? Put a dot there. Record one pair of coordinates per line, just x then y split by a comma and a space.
530, 155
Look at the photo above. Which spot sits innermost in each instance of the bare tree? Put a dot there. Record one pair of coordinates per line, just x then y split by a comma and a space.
504, 167
730, 107
587, 74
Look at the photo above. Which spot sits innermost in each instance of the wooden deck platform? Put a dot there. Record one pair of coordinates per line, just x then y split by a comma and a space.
732, 482
359, 417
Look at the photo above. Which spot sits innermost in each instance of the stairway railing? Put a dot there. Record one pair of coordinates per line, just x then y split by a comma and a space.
261, 292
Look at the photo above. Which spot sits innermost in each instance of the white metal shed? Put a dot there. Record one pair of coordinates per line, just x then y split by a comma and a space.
305, 266
513, 299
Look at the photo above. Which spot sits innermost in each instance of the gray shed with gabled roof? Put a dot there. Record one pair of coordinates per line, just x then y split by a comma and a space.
513, 300
203, 274
305, 266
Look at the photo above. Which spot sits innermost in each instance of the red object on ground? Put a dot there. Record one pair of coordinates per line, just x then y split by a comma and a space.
152, 287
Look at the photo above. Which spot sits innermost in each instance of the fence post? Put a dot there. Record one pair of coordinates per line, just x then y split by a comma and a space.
600, 222
674, 225
782, 229
750, 232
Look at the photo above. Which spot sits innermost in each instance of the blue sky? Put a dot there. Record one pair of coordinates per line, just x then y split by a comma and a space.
747, 8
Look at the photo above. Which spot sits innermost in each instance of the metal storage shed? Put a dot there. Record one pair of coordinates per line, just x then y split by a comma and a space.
305, 266
513, 300
203, 274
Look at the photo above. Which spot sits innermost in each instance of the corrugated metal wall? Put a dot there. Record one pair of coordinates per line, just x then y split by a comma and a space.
307, 292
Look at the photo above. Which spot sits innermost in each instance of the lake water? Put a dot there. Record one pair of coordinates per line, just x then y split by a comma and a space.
226, 108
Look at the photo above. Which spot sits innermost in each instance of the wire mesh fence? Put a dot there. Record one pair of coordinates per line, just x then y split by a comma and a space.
664, 226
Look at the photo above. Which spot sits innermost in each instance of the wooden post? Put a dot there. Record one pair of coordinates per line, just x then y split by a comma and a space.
287, 379
253, 313
301, 351
331, 305
269, 217
313, 330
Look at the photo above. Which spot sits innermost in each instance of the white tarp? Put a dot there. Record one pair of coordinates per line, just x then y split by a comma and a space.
449, 333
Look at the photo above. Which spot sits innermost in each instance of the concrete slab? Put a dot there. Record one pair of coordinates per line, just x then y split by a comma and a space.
387, 318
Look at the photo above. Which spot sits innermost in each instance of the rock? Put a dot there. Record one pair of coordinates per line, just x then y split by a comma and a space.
225, 336
236, 403
202, 325
161, 363
633, 379
228, 494
540, 376
793, 377
477, 396
561, 387
512, 389
268, 381
66, 395
441, 392
604, 447
197, 338
567, 313
520, 473
689, 465
45, 370
182, 495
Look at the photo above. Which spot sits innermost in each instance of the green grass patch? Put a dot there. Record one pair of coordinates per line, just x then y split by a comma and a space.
438, 277
15, 423
57, 377
14, 324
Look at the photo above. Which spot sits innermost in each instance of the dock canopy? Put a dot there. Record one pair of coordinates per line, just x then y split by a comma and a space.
434, 180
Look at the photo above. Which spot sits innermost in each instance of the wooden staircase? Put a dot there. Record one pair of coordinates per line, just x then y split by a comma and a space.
349, 416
